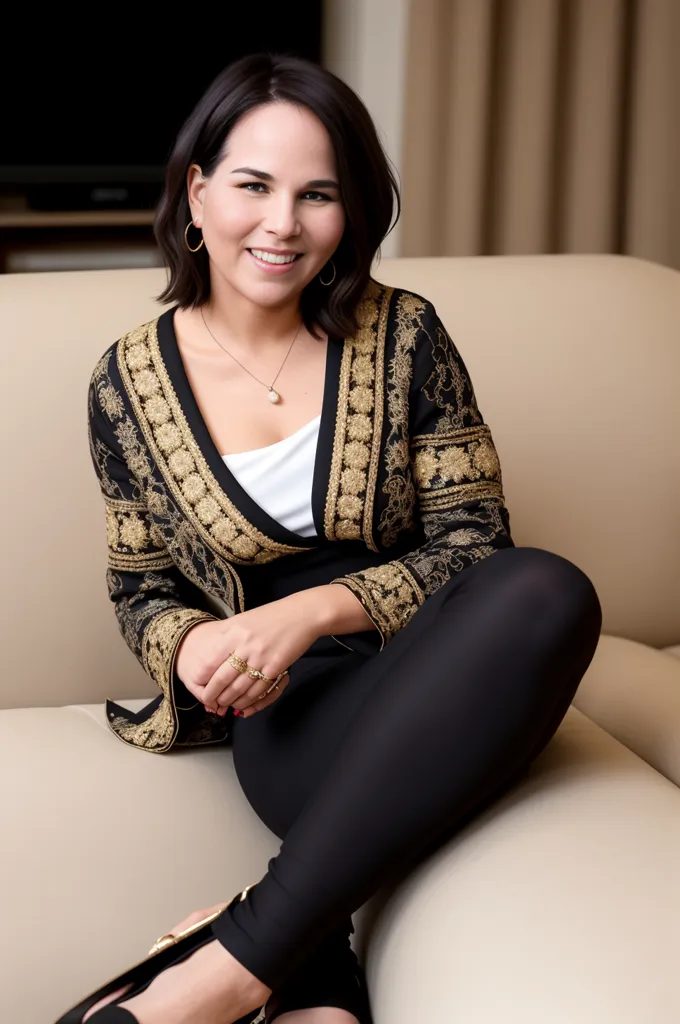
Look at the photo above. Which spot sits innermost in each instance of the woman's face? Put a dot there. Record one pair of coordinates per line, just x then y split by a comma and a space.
270, 213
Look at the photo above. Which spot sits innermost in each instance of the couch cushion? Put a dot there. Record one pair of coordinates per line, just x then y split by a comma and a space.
559, 904
633, 691
106, 847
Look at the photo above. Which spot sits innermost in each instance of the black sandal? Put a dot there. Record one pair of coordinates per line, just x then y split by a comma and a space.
165, 952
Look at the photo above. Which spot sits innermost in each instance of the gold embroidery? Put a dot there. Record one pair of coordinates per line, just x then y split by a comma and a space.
131, 536
451, 497
161, 638
155, 734
160, 642
389, 594
398, 514
358, 428
180, 460
449, 386
134, 533
448, 550
453, 466
456, 467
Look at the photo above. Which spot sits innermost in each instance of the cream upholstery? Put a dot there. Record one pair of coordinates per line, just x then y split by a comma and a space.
561, 902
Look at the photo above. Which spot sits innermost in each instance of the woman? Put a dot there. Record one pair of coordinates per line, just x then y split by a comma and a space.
302, 444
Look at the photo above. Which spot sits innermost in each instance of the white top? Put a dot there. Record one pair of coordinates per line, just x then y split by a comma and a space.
279, 477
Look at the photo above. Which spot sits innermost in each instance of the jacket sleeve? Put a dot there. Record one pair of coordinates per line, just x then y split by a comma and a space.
155, 604
453, 474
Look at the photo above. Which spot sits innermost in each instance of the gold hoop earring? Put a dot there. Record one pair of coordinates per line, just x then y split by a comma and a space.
186, 240
327, 283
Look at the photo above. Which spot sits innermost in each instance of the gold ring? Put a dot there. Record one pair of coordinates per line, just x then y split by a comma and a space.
238, 663
275, 683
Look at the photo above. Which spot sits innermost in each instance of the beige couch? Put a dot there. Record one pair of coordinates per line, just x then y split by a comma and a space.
562, 902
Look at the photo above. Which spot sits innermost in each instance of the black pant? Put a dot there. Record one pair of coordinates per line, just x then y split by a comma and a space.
368, 762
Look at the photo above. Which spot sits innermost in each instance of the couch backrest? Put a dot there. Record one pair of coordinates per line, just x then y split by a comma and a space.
576, 364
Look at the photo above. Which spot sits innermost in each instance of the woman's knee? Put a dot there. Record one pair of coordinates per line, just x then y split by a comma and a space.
553, 583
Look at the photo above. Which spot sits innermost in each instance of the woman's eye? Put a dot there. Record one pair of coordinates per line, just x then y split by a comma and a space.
317, 197
253, 186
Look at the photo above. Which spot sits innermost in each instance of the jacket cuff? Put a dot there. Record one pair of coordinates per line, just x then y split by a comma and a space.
161, 641
389, 595
156, 726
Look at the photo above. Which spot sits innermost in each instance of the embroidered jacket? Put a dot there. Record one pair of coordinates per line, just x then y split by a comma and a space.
406, 472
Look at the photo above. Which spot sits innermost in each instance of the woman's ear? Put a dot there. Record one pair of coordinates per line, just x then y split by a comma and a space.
195, 187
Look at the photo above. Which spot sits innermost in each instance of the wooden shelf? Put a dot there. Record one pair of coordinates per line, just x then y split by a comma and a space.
75, 218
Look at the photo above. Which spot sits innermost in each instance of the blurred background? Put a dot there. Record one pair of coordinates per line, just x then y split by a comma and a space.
516, 126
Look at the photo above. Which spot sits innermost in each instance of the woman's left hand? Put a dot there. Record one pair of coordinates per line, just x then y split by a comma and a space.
269, 638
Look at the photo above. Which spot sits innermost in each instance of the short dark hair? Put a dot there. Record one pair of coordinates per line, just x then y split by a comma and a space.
368, 185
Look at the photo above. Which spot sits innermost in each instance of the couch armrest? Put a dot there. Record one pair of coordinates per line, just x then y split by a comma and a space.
633, 692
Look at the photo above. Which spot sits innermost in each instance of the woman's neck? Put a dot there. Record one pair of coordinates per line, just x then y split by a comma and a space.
252, 326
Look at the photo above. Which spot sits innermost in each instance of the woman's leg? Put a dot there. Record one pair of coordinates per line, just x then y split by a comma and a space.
458, 704
277, 760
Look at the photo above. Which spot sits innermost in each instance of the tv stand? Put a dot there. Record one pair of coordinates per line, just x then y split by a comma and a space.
74, 239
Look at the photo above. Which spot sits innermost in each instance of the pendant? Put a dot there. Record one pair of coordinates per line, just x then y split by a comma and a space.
273, 396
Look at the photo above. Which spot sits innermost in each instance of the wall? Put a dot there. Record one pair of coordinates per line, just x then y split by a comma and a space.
365, 45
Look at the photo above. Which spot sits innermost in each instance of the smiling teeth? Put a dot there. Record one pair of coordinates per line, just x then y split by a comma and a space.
270, 257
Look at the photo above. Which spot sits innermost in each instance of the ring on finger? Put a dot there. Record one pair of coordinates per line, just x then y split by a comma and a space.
238, 663
275, 683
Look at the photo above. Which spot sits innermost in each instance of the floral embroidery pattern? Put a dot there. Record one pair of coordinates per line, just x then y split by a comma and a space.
398, 515
356, 446
151, 612
132, 535
174, 448
448, 551
453, 468
449, 472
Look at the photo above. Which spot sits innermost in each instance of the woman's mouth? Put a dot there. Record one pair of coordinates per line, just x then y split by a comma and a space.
275, 262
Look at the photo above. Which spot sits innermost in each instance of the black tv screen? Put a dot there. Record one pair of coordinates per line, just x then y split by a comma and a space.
98, 119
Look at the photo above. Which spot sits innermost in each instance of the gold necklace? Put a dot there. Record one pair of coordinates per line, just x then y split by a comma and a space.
273, 395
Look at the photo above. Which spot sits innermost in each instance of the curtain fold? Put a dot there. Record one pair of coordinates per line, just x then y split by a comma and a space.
542, 126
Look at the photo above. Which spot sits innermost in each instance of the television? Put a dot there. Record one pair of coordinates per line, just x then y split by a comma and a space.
92, 124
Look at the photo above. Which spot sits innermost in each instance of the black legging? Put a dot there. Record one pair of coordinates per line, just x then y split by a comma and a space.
367, 762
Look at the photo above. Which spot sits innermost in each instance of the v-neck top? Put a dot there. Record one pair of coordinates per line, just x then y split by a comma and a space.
279, 477
203, 447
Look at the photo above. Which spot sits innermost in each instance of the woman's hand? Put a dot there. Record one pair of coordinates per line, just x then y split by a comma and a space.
269, 638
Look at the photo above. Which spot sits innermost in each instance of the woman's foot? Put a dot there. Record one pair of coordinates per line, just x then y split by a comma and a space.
209, 987
105, 1002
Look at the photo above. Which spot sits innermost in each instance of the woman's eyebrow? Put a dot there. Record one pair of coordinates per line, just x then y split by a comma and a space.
255, 174
265, 176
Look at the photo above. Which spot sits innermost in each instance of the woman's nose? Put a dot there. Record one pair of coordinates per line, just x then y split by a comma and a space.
282, 217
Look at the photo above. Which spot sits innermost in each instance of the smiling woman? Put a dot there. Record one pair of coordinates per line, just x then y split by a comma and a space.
353, 524
319, 126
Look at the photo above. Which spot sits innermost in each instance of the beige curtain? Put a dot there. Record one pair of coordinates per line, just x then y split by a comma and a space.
542, 126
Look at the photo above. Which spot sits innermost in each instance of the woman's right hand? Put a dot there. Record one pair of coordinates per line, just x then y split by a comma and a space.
190, 662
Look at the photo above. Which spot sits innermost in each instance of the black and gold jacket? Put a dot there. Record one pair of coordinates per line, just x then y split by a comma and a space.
407, 491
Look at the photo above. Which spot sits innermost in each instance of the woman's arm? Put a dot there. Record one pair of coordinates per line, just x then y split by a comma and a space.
457, 482
155, 604
330, 610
